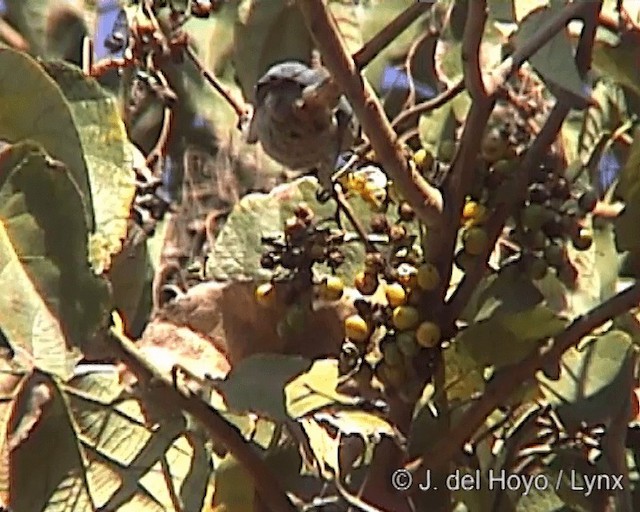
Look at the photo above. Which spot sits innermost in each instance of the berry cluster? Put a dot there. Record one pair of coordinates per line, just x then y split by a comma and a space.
552, 216
304, 243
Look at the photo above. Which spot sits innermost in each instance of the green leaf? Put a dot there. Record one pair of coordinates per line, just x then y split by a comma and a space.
48, 462
33, 107
490, 343
360, 423
592, 379
29, 18
324, 446
617, 58
554, 61
505, 338
626, 224
267, 32
463, 374
131, 462
50, 297
437, 126
510, 292
257, 384
535, 324
316, 389
106, 152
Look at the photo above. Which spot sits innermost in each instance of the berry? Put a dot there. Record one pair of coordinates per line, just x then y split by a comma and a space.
588, 201
494, 147
561, 189
535, 240
397, 233
405, 317
538, 193
474, 212
534, 216
583, 241
463, 260
396, 295
428, 276
366, 283
423, 159
406, 342
356, 328
475, 240
555, 255
407, 275
265, 294
553, 228
267, 261
446, 151
537, 268
428, 334
405, 212
332, 288
380, 224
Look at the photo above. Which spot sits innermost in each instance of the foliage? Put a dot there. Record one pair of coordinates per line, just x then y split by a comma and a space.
331, 342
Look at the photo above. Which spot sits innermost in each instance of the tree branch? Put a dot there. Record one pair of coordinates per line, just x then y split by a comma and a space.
390, 31
512, 378
426, 200
266, 484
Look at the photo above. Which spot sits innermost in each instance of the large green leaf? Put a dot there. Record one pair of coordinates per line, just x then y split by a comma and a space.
33, 107
128, 461
257, 384
554, 61
437, 126
592, 379
105, 147
316, 389
50, 296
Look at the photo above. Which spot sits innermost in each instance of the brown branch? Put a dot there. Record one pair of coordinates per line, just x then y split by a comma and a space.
471, 48
220, 431
512, 378
425, 199
410, 114
390, 31
463, 168
239, 107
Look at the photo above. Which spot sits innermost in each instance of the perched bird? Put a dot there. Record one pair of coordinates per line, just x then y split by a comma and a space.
296, 125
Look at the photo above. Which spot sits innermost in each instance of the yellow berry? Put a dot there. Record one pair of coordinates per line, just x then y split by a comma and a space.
396, 294
474, 212
366, 283
407, 275
428, 276
405, 317
428, 334
475, 240
423, 159
332, 288
356, 328
265, 294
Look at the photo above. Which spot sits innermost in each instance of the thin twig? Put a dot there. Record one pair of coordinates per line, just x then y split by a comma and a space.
425, 199
344, 205
103, 66
239, 107
220, 431
390, 31
408, 115
512, 378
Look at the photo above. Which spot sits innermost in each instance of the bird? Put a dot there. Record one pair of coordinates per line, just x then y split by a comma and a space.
297, 125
